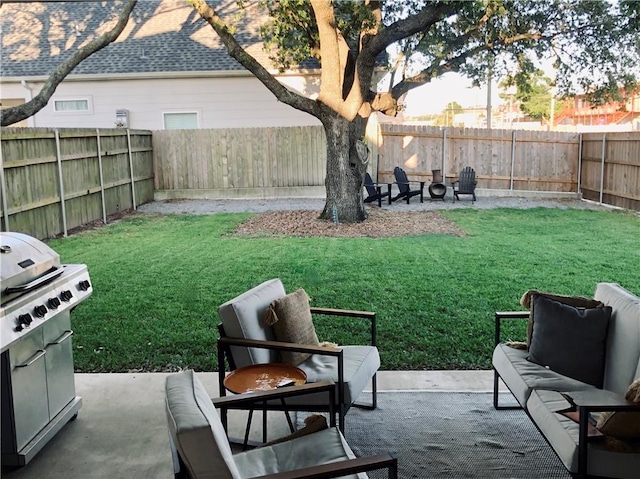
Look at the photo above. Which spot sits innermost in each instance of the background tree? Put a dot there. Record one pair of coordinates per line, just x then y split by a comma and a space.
594, 45
12, 115
449, 114
534, 98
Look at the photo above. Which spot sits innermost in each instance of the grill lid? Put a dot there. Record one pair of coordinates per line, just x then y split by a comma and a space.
24, 261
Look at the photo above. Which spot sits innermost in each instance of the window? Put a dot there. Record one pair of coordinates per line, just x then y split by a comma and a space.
11, 102
71, 105
181, 121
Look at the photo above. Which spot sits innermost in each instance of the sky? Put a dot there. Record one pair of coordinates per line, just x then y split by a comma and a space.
434, 96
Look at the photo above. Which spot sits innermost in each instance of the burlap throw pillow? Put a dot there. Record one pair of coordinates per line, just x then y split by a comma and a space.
575, 301
620, 424
312, 423
291, 319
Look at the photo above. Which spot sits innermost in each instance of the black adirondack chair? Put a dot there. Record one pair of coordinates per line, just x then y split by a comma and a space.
465, 184
404, 185
374, 190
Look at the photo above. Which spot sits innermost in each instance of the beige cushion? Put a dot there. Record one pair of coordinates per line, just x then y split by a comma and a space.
622, 425
360, 364
196, 430
242, 318
562, 434
291, 319
321, 447
622, 365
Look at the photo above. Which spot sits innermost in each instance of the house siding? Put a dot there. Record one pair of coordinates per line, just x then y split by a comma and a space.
221, 102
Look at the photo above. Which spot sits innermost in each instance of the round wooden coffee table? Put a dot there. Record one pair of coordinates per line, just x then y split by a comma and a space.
264, 377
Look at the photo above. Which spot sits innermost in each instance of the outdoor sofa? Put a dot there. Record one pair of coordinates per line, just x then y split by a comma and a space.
549, 396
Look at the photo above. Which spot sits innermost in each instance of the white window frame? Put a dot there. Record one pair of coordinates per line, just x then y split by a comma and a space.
88, 111
181, 112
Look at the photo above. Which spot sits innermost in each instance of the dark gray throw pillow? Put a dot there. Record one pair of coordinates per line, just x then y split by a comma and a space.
570, 340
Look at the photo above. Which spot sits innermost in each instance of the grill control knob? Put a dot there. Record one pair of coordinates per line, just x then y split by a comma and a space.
24, 320
53, 303
84, 285
66, 296
40, 311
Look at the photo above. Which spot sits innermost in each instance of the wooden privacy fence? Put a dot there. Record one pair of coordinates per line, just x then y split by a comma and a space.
53, 180
511, 160
240, 162
611, 168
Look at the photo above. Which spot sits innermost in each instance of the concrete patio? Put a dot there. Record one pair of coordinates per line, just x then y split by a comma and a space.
121, 429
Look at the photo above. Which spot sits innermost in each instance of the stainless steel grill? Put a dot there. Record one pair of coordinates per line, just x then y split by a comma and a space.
38, 387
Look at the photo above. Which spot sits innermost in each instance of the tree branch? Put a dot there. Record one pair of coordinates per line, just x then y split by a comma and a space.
331, 79
423, 20
453, 64
236, 51
26, 110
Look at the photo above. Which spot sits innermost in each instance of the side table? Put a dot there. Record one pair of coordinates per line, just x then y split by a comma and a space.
264, 377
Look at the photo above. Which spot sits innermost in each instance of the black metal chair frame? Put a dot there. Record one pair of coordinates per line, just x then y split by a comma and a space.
404, 185
466, 184
374, 190
224, 356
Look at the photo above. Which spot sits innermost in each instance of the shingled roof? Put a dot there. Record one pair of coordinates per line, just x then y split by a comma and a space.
162, 36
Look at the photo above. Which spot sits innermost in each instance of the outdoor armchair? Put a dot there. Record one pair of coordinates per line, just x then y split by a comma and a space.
201, 450
465, 184
404, 185
374, 190
245, 339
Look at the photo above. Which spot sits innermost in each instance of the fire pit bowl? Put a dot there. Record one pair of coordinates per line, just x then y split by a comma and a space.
437, 191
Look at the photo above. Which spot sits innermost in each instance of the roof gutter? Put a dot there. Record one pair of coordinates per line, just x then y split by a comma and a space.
32, 120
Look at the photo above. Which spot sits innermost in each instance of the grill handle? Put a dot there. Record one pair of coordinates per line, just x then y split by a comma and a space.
67, 334
32, 359
23, 288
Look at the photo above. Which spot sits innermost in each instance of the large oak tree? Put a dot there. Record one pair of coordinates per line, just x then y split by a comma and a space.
594, 47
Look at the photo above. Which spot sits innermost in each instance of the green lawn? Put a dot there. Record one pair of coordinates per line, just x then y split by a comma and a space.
158, 281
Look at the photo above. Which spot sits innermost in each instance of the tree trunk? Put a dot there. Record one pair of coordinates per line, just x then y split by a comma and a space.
345, 168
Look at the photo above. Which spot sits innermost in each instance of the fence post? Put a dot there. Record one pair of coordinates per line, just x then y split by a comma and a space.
133, 181
61, 184
3, 187
579, 185
513, 159
604, 151
444, 156
104, 207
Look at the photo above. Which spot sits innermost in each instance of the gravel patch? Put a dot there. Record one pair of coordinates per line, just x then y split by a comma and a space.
300, 216
206, 207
